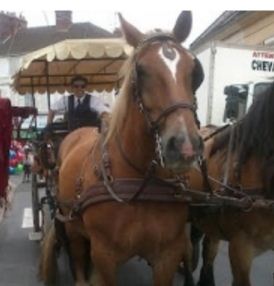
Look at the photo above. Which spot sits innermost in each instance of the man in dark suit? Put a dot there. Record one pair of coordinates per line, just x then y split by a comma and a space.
82, 109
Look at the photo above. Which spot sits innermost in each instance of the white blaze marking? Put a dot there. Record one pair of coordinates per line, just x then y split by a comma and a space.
171, 64
184, 129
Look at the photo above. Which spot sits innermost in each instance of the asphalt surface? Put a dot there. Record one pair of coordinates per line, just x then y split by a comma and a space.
19, 256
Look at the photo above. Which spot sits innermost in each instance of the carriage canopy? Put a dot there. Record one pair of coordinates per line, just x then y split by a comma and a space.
50, 69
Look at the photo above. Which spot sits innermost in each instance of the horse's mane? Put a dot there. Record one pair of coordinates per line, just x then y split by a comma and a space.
120, 108
256, 130
254, 134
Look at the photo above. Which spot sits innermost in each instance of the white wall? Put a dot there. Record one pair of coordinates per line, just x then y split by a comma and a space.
234, 66
4, 68
202, 92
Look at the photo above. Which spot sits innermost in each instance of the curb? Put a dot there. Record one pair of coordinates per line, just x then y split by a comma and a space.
2, 213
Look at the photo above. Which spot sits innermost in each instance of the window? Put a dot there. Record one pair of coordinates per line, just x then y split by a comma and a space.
236, 100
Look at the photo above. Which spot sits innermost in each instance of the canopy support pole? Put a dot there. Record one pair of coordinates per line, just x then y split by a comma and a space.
33, 102
47, 80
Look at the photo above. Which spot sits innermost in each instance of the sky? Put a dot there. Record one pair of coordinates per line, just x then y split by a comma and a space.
108, 19
144, 14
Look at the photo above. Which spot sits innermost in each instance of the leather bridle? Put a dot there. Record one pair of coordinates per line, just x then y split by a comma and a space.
154, 125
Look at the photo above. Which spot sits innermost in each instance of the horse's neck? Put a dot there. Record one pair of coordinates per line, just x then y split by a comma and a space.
251, 175
134, 144
208, 147
137, 140
223, 164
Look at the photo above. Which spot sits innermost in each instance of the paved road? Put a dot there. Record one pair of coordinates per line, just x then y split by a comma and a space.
19, 256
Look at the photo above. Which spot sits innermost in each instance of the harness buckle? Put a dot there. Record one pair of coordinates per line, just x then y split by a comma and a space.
200, 160
141, 107
158, 149
70, 215
178, 194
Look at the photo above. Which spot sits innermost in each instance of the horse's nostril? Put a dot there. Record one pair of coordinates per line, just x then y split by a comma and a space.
175, 143
171, 143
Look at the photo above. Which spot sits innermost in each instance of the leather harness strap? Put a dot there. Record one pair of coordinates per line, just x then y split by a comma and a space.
126, 189
165, 192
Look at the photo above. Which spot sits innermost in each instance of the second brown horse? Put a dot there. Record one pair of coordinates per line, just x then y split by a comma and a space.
246, 167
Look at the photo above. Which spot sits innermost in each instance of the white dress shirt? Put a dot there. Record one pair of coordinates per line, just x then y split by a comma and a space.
61, 105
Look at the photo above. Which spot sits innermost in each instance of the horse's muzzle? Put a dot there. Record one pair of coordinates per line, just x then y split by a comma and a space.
180, 152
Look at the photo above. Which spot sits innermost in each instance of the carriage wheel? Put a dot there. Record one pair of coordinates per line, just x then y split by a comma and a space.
35, 203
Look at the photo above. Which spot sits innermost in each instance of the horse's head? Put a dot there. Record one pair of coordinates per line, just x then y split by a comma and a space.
165, 77
46, 155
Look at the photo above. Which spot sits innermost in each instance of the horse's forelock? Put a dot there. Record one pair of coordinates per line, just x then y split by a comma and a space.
156, 32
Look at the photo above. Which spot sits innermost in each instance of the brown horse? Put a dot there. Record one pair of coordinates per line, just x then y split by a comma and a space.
44, 158
46, 151
152, 133
246, 168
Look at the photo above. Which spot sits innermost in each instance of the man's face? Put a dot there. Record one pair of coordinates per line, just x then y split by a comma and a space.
78, 88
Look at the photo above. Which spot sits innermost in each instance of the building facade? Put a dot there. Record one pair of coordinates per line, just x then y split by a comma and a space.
17, 40
237, 54
239, 27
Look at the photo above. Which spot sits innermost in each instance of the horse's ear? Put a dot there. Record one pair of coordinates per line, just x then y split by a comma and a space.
183, 26
132, 34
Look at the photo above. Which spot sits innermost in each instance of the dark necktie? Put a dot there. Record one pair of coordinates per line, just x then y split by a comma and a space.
78, 103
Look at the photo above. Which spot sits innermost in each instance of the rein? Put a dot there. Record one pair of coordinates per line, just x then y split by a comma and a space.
226, 189
229, 154
149, 175
217, 131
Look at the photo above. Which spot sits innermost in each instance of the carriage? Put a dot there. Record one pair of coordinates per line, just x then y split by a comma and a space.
8, 114
45, 74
